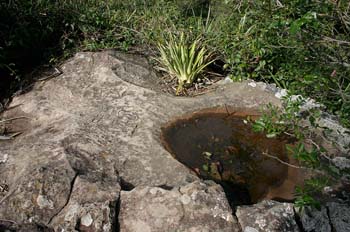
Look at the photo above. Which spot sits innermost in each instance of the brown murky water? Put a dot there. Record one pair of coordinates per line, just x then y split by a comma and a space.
221, 147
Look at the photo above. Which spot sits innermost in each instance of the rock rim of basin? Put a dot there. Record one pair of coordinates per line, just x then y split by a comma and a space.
93, 131
236, 155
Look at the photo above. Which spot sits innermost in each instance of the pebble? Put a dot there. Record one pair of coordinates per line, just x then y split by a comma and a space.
3, 158
86, 220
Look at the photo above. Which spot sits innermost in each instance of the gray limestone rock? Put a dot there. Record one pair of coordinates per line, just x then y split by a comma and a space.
341, 162
315, 220
267, 216
336, 133
339, 215
195, 207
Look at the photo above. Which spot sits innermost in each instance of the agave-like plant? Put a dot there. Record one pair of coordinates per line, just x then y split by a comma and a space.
183, 60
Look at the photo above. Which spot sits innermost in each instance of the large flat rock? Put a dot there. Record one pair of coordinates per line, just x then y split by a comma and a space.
92, 129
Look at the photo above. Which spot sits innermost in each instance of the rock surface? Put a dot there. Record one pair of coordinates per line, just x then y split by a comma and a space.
91, 129
9, 226
339, 215
91, 207
315, 220
95, 130
267, 216
332, 217
193, 207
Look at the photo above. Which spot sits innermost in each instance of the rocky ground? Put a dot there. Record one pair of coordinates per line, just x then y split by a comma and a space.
89, 157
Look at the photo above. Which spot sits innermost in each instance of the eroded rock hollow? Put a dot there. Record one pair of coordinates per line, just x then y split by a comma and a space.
90, 158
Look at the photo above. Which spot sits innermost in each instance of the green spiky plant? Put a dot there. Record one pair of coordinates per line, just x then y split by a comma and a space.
182, 59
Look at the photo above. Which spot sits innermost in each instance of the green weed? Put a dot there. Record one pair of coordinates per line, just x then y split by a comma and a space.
291, 121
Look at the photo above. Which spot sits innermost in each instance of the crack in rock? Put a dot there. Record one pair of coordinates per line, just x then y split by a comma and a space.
68, 198
329, 220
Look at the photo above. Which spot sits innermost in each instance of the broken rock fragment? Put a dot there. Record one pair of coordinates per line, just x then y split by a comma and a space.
195, 207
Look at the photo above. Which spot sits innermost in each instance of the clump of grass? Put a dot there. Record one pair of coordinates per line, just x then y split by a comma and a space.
183, 59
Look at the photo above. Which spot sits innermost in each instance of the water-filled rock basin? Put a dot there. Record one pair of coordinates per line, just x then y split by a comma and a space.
221, 146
